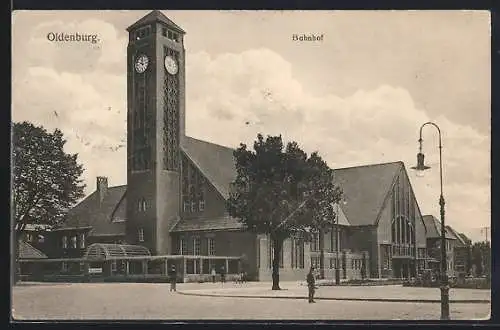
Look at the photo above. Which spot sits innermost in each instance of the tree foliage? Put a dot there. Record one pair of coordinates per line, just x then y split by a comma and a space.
281, 192
481, 258
46, 180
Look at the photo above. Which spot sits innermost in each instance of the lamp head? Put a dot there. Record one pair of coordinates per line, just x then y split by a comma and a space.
420, 163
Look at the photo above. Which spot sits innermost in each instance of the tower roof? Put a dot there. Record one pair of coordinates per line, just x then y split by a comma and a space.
156, 16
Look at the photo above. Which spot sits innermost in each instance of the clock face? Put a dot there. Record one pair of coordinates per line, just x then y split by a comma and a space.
141, 63
171, 65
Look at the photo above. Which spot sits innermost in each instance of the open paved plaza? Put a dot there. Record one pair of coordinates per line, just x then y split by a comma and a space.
136, 301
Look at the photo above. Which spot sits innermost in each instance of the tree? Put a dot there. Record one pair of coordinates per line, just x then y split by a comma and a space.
46, 180
481, 258
281, 193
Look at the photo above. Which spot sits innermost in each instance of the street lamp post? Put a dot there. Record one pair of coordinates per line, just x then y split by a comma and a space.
337, 247
445, 305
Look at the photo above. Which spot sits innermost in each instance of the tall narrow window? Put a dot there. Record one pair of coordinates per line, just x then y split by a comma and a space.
196, 246
82, 240
211, 247
140, 235
65, 242
182, 246
73, 242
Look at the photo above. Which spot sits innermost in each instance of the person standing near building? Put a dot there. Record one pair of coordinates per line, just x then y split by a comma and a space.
222, 275
311, 285
173, 279
213, 274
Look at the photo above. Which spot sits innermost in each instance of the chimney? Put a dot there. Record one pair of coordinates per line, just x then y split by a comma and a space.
102, 187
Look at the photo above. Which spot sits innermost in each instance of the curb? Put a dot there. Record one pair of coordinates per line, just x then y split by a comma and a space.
434, 301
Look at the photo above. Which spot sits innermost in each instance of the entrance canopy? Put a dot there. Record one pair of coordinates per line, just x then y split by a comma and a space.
100, 251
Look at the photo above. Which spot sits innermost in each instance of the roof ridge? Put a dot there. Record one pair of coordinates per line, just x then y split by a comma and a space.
368, 165
212, 143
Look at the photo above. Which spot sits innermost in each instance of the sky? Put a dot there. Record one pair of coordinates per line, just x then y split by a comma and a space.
358, 97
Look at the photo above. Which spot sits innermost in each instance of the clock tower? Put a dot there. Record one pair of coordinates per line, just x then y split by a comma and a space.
155, 128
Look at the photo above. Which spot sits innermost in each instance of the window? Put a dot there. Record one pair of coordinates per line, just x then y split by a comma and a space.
140, 235
113, 266
193, 206
64, 266
211, 247
169, 34
29, 238
164, 32
196, 246
142, 205
202, 205
315, 242
73, 242
187, 205
65, 242
82, 241
182, 247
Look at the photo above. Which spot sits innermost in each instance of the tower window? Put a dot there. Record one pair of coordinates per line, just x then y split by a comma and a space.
186, 205
169, 34
142, 205
175, 37
140, 235
164, 32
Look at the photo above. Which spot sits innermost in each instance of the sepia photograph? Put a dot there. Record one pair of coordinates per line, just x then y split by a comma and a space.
250, 165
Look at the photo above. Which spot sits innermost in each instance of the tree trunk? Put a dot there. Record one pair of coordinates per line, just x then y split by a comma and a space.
277, 246
321, 254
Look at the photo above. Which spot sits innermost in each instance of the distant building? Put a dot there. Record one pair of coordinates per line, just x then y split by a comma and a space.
433, 226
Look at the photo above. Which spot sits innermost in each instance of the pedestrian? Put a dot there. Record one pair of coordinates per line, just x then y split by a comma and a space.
311, 285
222, 275
213, 274
173, 278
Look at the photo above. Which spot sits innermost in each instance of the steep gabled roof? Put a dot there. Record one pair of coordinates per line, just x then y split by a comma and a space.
156, 16
26, 251
100, 215
433, 227
460, 239
365, 189
214, 161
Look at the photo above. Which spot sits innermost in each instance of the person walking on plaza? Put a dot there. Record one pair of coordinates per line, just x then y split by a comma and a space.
173, 279
222, 275
311, 285
213, 274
